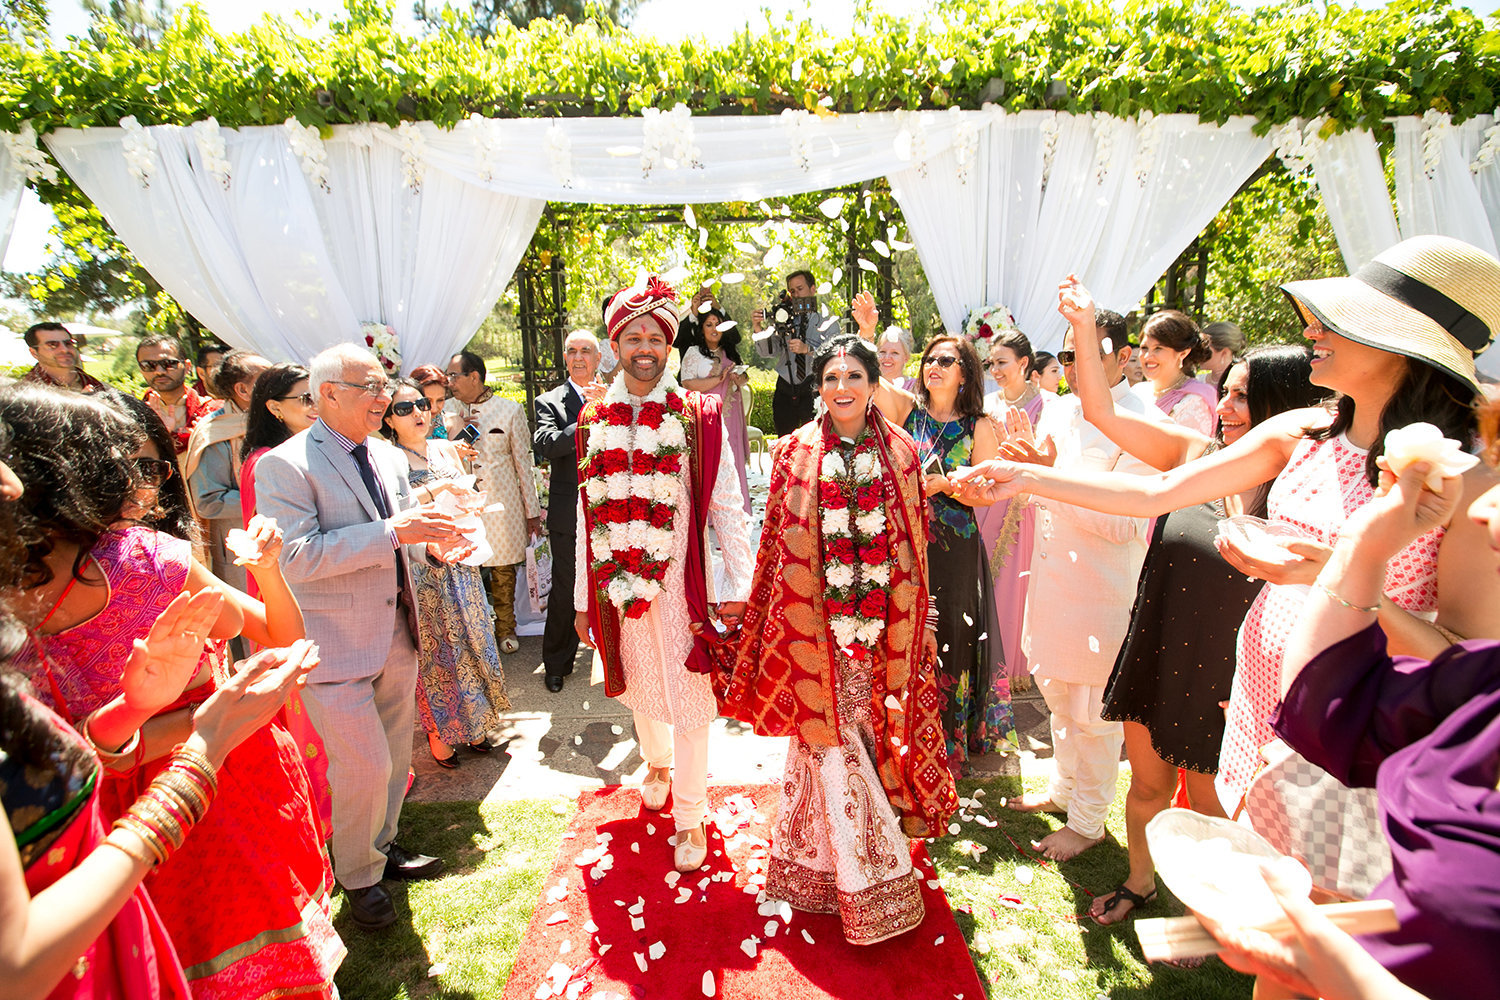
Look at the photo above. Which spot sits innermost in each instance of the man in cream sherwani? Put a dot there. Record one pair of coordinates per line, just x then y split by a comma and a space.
635, 500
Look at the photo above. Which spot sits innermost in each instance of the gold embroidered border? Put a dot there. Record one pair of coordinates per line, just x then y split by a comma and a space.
881, 911
805, 888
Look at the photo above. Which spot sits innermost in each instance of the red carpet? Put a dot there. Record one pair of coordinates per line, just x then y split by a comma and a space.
704, 931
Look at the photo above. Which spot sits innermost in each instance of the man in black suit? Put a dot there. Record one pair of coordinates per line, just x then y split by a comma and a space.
556, 423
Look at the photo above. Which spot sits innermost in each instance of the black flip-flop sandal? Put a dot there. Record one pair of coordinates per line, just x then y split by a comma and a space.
1123, 895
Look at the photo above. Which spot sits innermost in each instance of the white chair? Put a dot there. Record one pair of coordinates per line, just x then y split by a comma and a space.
758, 443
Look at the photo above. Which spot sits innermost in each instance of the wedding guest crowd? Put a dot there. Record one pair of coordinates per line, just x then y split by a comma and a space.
926, 550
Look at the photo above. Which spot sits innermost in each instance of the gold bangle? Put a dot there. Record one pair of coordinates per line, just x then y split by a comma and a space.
189, 794
146, 836
189, 776
128, 852
156, 816
108, 757
1352, 607
173, 804
197, 762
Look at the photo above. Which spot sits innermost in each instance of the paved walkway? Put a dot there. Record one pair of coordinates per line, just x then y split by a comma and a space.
558, 744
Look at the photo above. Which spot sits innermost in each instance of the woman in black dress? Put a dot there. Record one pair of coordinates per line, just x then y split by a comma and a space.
1177, 662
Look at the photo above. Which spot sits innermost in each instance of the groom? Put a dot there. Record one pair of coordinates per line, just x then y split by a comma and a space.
655, 467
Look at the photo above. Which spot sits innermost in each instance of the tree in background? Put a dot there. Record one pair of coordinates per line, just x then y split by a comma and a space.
482, 17
141, 21
23, 20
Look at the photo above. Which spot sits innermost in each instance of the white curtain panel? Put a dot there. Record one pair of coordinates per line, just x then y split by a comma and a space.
273, 262
1351, 180
12, 183
1436, 193
625, 160
429, 262
1120, 202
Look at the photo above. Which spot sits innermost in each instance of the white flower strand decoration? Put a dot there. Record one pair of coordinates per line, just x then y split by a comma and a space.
1048, 131
1491, 146
1436, 125
800, 126
140, 150
667, 139
1297, 142
911, 139
29, 157
559, 150
1105, 128
307, 146
210, 143
413, 146
1149, 138
965, 142
485, 134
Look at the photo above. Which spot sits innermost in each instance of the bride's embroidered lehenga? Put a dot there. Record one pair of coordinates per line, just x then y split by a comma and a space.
867, 767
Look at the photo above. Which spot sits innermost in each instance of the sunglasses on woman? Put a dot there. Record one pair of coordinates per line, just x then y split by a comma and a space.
154, 471
404, 408
943, 361
305, 398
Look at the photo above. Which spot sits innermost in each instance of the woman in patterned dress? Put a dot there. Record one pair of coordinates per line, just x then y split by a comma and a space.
848, 677
947, 421
1391, 365
462, 684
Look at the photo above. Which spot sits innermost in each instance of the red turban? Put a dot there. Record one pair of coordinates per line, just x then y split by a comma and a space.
657, 302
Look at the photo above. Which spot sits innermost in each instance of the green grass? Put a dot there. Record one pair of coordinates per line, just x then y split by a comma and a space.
469, 924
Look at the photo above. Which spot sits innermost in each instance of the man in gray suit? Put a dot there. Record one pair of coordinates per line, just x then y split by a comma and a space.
342, 498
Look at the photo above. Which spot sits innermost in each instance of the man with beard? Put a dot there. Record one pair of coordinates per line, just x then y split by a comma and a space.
655, 467
162, 365
57, 358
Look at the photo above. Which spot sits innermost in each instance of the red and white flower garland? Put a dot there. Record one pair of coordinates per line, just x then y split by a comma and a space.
632, 482
856, 546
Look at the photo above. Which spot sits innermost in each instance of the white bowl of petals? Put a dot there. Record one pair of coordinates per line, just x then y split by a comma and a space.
1214, 865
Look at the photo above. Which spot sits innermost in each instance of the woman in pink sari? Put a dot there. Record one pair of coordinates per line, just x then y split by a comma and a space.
709, 363
1172, 348
1006, 528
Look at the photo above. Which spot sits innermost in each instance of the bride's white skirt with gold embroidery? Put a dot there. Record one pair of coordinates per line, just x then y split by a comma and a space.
838, 846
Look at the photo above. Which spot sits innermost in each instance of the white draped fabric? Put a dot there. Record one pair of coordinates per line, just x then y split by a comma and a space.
12, 182
1442, 197
420, 227
273, 262
1351, 179
1120, 202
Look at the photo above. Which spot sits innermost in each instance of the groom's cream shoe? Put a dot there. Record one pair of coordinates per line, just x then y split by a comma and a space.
654, 792
692, 848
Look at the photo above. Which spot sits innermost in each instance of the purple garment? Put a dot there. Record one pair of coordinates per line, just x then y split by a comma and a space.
1192, 387
1427, 736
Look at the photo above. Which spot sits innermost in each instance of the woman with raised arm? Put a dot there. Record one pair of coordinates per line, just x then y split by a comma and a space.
837, 652
1177, 662
709, 359
1392, 362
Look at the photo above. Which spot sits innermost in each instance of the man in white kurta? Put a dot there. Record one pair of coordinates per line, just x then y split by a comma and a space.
672, 706
1084, 568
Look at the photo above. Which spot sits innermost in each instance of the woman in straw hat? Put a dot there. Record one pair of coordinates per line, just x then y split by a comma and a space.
1396, 342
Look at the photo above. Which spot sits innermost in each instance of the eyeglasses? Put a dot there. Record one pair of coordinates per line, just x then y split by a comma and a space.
154, 471
164, 365
55, 344
404, 408
305, 398
373, 387
943, 361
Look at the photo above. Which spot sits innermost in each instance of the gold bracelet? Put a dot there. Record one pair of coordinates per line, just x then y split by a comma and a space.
173, 803
154, 815
188, 795
128, 852
146, 835
197, 763
1352, 607
108, 757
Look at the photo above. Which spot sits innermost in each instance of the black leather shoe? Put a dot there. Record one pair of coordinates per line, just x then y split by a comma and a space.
481, 745
554, 683
405, 866
371, 907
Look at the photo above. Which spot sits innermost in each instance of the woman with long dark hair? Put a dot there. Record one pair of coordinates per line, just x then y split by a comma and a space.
947, 421
1392, 364
95, 579
861, 776
709, 359
281, 405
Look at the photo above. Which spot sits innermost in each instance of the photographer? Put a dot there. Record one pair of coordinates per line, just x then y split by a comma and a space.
791, 343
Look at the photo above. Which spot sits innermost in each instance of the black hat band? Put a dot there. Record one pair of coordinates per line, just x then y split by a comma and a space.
1466, 328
